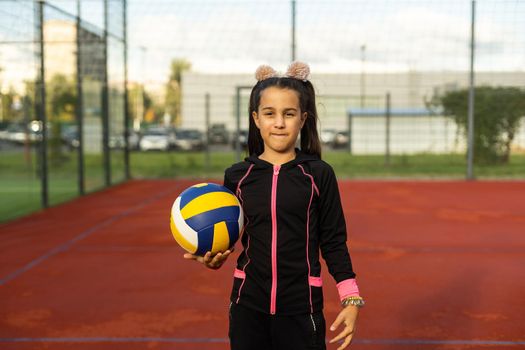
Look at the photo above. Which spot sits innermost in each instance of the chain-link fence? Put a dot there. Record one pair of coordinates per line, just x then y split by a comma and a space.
392, 80
62, 79
416, 52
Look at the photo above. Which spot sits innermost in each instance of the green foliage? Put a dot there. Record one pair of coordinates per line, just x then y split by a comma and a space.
140, 101
15, 107
497, 115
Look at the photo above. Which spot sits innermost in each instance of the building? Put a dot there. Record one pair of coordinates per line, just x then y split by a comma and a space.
336, 93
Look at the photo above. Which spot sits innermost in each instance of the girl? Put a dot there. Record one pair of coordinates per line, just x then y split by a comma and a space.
292, 210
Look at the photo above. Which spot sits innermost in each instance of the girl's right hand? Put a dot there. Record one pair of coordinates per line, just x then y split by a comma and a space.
212, 262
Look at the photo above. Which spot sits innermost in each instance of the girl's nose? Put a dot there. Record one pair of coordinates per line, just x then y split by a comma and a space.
279, 121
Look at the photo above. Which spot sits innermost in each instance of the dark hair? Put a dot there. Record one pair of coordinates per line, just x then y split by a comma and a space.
309, 137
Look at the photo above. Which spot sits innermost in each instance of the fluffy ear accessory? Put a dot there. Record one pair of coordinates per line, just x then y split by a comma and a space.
296, 70
264, 72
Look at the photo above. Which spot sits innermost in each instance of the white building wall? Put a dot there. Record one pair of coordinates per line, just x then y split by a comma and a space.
408, 135
338, 92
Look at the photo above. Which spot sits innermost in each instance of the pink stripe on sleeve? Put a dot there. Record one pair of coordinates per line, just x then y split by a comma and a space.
239, 274
315, 281
347, 288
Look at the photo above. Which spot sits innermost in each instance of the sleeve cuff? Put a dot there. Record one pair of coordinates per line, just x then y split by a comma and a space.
347, 288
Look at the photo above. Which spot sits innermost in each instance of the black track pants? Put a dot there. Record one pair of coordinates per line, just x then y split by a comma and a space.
254, 330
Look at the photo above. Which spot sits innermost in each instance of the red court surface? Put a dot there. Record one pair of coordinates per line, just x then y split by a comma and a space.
441, 266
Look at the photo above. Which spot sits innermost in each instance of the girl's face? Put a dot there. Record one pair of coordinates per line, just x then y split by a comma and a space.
279, 119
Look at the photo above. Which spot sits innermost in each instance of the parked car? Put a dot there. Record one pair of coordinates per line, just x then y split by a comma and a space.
133, 140
327, 136
218, 134
341, 139
188, 139
70, 136
243, 139
3, 130
155, 139
20, 133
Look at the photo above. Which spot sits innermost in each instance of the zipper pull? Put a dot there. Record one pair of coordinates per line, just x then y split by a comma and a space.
276, 169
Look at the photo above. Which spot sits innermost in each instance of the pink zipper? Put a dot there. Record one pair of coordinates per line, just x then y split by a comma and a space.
273, 296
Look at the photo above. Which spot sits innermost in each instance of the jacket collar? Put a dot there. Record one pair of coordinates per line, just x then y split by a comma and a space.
300, 157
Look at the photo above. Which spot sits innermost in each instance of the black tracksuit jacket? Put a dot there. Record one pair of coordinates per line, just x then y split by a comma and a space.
290, 211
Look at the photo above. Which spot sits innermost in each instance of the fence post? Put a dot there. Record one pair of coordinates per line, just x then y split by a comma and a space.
80, 107
105, 104
42, 108
127, 172
387, 130
238, 125
470, 133
350, 136
207, 120
293, 48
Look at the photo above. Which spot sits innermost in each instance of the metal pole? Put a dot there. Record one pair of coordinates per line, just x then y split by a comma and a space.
363, 48
387, 130
127, 172
42, 109
238, 125
139, 94
105, 104
350, 117
470, 136
207, 119
80, 107
293, 30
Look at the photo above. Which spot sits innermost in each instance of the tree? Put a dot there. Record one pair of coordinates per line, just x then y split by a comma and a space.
139, 102
173, 88
497, 115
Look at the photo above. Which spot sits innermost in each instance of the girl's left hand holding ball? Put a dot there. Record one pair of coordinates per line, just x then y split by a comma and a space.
213, 262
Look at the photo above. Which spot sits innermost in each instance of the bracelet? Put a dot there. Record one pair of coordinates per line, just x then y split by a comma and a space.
354, 300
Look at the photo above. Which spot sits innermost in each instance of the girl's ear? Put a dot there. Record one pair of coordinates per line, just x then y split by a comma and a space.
255, 117
303, 118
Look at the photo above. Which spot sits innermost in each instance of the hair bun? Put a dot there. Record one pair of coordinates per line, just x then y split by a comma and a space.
264, 72
298, 70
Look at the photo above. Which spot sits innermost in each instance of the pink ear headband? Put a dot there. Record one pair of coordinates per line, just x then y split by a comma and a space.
297, 70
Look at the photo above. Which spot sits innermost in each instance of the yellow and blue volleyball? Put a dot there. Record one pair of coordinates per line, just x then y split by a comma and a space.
206, 217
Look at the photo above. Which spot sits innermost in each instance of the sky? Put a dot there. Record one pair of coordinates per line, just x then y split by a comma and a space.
225, 36
236, 36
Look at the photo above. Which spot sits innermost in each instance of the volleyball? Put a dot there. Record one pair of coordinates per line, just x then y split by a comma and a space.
206, 217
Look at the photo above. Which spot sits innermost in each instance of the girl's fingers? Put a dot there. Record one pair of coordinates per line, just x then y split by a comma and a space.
347, 342
225, 255
193, 257
337, 322
347, 331
207, 257
216, 259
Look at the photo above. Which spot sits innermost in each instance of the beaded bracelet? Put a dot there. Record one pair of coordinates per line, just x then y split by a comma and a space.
354, 300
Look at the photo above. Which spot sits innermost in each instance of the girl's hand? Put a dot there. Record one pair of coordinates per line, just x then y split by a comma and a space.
212, 262
348, 317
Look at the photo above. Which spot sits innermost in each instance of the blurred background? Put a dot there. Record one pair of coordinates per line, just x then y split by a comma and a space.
95, 92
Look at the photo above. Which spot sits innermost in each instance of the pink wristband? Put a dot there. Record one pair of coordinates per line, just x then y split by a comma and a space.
347, 288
